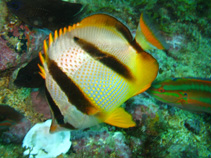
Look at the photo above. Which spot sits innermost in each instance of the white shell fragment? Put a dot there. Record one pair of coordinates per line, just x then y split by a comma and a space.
39, 143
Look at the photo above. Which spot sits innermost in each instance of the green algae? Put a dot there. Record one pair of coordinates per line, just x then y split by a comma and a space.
15, 98
11, 151
3, 15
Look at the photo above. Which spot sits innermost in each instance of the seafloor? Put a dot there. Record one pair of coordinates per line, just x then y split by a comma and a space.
162, 130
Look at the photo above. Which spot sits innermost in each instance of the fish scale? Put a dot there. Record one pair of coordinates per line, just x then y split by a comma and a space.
71, 60
105, 85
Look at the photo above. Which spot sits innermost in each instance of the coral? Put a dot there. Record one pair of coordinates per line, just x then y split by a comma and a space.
101, 143
40, 143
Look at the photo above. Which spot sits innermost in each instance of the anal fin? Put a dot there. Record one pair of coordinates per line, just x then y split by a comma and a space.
120, 118
55, 127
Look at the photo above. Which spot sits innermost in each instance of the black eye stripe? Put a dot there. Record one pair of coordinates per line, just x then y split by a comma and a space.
105, 58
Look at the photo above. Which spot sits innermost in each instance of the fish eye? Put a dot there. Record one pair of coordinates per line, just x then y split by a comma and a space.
185, 94
161, 90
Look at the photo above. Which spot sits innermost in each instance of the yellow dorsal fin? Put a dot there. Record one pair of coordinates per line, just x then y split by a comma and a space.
45, 48
50, 40
69, 28
64, 30
55, 34
41, 58
72, 27
120, 118
42, 71
147, 36
107, 22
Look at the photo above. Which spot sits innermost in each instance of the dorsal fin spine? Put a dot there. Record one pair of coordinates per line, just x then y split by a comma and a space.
64, 30
41, 58
69, 28
45, 48
55, 35
50, 41
60, 32
42, 70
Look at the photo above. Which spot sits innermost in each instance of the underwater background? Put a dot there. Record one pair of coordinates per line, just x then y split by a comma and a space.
162, 130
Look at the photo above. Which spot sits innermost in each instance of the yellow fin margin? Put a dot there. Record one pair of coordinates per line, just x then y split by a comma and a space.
50, 40
64, 30
45, 48
42, 70
41, 58
55, 34
60, 32
106, 21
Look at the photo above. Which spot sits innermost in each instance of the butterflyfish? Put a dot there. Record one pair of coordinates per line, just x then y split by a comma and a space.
187, 93
94, 66
50, 14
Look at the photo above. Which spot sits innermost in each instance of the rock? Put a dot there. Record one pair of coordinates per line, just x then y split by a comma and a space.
193, 126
